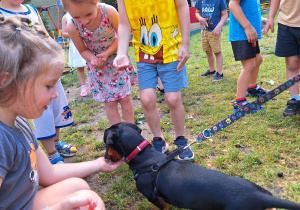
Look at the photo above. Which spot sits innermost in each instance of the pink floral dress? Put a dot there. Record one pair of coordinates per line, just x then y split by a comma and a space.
107, 84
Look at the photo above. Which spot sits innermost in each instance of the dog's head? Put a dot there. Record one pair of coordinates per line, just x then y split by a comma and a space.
121, 139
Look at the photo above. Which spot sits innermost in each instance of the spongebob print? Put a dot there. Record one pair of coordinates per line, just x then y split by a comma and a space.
33, 176
156, 30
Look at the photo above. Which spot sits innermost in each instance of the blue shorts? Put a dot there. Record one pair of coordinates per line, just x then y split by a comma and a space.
288, 41
172, 79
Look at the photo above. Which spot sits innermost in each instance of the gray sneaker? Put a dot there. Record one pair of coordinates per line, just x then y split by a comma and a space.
207, 73
218, 77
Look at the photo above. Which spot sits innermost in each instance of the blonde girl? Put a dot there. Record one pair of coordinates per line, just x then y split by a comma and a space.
31, 63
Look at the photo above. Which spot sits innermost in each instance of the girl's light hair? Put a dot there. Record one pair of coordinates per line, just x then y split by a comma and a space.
66, 3
26, 51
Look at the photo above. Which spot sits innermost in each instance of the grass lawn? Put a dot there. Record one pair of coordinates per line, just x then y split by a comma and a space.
256, 147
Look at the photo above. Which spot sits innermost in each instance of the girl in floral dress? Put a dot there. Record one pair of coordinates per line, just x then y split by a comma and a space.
93, 29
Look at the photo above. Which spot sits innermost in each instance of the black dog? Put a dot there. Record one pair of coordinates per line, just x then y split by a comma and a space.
182, 183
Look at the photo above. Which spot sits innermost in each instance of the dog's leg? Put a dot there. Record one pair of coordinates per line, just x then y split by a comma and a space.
160, 203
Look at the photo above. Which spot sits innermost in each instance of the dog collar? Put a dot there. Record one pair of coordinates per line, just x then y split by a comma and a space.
136, 151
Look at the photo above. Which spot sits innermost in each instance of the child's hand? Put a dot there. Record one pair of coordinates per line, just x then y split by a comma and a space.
107, 166
183, 56
204, 22
76, 202
217, 30
251, 34
103, 57
269, 25
97, 63
121, 62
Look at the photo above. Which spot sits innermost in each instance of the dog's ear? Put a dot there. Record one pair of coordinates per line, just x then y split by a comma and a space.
135, 127
111, 136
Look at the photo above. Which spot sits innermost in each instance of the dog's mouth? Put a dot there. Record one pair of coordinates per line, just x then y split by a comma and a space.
112, 154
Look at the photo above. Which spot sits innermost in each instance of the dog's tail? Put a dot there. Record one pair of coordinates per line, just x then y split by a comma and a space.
270, 201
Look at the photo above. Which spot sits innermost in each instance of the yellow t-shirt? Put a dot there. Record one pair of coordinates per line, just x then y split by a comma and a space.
289, 13
156, 30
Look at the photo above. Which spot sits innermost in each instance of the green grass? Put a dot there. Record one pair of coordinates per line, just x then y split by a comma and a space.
256, 147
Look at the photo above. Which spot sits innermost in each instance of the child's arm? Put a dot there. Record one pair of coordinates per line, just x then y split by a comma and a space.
64, 31
270, 22
113, 17
82, 49
218, 29
203, 21
1, 180
50, 174
121, 62
235, 8
184, 19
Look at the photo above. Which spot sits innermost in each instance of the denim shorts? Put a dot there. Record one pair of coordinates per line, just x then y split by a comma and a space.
172, 79
243, 50
288, 41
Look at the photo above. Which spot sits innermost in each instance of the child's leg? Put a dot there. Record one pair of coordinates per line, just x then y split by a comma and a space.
127, 109
81, 76
210, 60
249, 68
112, 112
219, 59
177, 113
253, 78
148, 101
62, 191
292, 69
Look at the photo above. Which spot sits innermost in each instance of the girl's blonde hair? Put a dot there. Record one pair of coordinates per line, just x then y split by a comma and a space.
26, 52
66, 3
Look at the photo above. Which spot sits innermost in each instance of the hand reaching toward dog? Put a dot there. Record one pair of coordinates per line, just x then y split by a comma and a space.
107, 166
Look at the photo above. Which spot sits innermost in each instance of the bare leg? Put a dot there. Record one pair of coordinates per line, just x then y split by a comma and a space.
148, 100
219, 59
81, 76
160, 85
211, 60
248, 73
177, 113
292, 69
127, 109
253, 78
112, 112
59, 193
49, 144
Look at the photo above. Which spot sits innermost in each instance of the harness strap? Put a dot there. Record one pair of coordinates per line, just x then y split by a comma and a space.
155, 167
207, 133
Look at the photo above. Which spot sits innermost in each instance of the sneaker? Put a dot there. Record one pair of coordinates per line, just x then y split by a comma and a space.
240, 105
207, 73
162, 91
83, 93
56, 159
256, 92
187, 154
292, 108
65, 149
218, 77
160, 145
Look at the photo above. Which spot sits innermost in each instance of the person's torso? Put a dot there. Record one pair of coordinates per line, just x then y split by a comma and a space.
289, 13
18, 166
211, 9
31, 13
251, 9
102, 37
156, 30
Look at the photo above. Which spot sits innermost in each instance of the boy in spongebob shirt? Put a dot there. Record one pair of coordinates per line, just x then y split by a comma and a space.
161, 41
